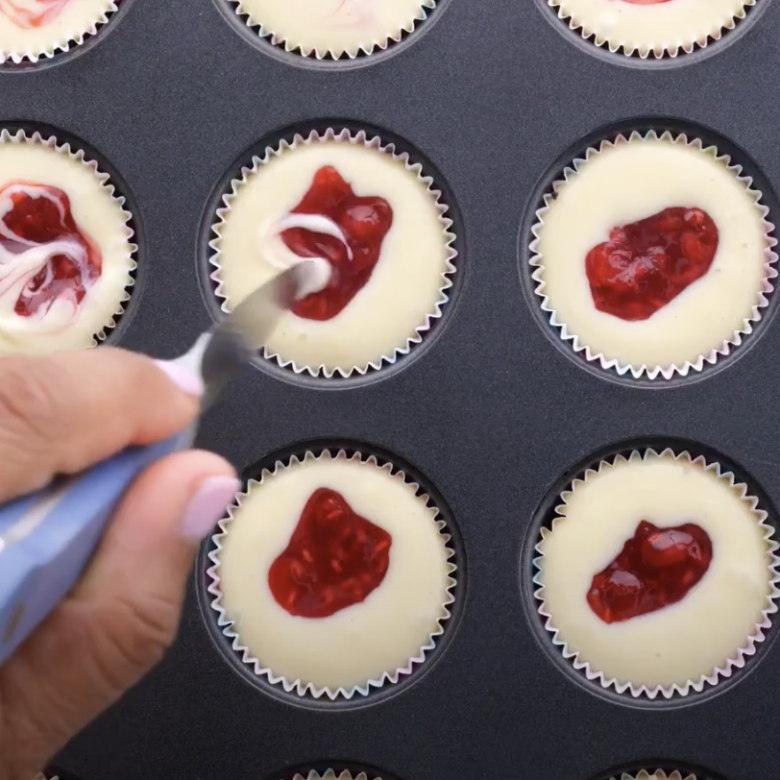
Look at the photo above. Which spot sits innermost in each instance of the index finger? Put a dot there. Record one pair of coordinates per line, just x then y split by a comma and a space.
63, 413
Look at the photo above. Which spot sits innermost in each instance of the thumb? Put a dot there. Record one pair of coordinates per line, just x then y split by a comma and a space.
121, 617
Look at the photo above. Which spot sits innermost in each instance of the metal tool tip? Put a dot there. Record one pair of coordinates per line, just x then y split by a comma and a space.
304, 276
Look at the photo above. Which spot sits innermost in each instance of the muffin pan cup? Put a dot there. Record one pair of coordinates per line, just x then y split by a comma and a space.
700, 137
307, 690
670, 370
659, 771
13, 134
330, 774
487, 407
651, 774
741, 655
333, 770
341, 135
307, 54
669, 48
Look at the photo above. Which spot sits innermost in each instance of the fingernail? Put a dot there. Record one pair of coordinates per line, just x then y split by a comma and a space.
208, 506
182, 377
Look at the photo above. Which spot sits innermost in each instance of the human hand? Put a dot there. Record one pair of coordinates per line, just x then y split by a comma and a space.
59, 415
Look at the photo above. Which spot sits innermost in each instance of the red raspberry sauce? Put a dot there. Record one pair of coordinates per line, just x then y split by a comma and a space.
364, 222
648, 263
42, 12
335, 559
37, 220
657, 567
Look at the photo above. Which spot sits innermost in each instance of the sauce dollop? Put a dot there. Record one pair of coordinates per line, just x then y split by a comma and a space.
646, 264
335, 559
657, 567
364, 223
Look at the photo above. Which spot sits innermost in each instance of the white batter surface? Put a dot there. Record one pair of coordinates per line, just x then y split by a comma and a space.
99, 217
632, 181
406, 283
684, 641
359, 643
335, 26
659, 28
67, 20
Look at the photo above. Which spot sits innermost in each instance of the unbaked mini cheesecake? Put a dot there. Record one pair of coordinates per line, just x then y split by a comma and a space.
376, 231
652, 27
332, 575
66, 255
658, 574
335, 27
653, 254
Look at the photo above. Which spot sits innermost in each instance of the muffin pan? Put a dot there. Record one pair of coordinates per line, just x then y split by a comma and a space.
170, 95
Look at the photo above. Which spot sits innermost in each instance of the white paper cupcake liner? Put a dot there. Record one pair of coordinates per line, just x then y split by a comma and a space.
654, 372
104, 181
743, 654
669, 48
297, 686
66, 41
656, 774
331, 774
393, 36
372, 142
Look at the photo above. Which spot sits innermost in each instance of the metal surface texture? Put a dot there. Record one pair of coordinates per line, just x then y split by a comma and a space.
494, 95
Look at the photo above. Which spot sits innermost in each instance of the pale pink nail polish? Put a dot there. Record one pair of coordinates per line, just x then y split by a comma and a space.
182, 377
208, 506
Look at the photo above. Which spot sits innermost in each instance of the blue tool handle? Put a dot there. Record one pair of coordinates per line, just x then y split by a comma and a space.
49, 537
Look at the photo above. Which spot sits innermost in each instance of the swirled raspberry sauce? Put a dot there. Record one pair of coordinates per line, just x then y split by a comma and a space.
32, 13
648, 263
37, 226
656, 568
335, 559
364, 223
